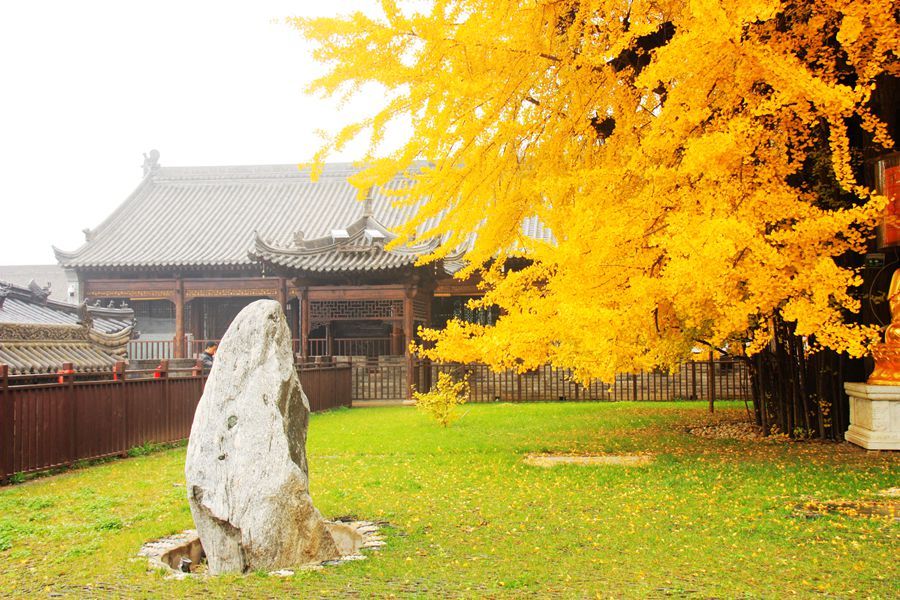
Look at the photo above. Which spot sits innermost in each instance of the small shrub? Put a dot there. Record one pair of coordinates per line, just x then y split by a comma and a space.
441, 402
39, 503
144, 449
109, 524
17, 478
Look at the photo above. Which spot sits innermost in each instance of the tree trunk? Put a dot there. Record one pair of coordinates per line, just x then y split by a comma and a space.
800, 392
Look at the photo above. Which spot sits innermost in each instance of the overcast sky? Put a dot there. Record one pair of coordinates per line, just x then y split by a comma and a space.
87, 87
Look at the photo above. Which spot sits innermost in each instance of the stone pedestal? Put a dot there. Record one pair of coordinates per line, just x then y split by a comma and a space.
874, 416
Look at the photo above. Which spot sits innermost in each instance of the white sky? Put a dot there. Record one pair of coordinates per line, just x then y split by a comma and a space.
88, 86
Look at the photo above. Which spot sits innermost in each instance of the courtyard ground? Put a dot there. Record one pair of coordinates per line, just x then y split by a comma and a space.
465, 516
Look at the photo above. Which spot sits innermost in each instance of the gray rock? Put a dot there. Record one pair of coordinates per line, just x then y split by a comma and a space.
247, 478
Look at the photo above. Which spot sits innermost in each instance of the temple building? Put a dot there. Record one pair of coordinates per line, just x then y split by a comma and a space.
39, 335
191, 246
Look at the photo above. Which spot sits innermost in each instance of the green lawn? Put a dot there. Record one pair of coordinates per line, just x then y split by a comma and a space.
711, 518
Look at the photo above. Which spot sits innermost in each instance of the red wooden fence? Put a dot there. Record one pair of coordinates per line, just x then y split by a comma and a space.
326, 385
49, 421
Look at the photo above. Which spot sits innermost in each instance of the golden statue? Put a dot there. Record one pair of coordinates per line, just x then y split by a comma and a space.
887, 354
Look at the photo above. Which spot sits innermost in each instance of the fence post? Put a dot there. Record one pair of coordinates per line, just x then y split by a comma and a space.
518, 386
199, 384
410, 376
6, 426
119, 377
634, 395
711, 375
163, 371
693, 380
67, 378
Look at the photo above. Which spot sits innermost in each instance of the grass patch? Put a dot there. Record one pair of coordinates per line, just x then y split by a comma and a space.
468, 518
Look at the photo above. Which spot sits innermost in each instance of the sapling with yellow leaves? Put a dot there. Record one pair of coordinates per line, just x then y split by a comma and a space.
441, 401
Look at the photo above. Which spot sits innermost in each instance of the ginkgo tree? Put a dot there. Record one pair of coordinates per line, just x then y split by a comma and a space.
663, 142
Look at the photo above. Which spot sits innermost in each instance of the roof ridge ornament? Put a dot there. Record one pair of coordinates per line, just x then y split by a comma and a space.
85, 318
151, 162
367, 203
40, 293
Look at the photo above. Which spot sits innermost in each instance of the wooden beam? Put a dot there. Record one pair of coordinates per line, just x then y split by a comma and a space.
234, 287
449, 286
151, 289
373, 292
136, 290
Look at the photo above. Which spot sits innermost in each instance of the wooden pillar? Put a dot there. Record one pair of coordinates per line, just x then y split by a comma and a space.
194, 316
408, 322
179, 318
295, 321
426, 363
304, 323
396, 338
429, 301
329, 339
281, 294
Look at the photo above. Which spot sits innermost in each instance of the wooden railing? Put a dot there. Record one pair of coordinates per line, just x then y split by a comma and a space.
707, 380
315, 346
49, 421
371, 347
150, 349
194, 347
385, 379
380, 377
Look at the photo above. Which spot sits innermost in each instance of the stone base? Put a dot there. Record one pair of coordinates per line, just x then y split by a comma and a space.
874, 416
181, 555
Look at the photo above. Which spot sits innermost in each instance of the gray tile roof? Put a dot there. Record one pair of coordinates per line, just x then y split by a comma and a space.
207, 216
47, 357
21, 306
235, 216
38, 335
42, 274
359, 252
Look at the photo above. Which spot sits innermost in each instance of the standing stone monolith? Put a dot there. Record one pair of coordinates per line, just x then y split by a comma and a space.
247, 478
